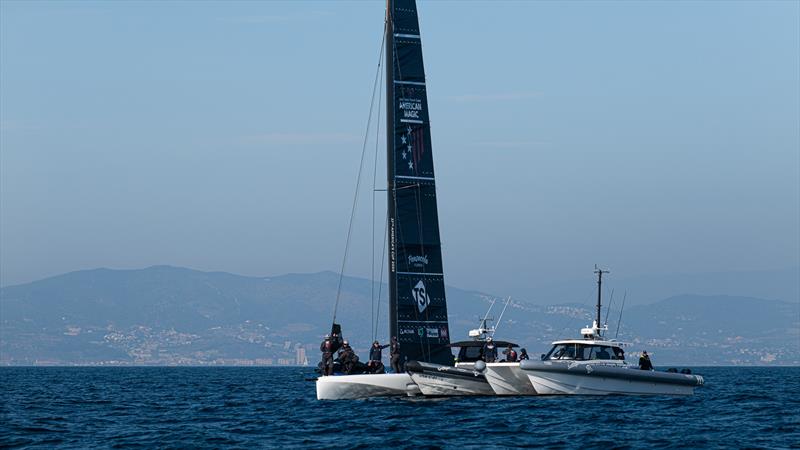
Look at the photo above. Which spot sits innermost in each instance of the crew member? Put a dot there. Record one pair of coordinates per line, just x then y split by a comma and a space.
327, 355
375, 356
336, 339
394, 355
347, 357
511, 355
523, 354
489, 351
644, 361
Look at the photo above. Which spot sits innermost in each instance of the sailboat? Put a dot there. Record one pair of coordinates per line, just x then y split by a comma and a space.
417, 303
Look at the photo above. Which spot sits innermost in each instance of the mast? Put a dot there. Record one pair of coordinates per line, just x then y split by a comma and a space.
599, 273
390, 216
417, 303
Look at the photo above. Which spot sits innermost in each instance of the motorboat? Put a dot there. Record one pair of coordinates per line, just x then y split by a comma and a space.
469, 374
508, 378
594, 365
466, 377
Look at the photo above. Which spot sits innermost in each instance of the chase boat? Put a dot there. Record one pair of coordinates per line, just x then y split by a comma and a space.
596, 366
467, 377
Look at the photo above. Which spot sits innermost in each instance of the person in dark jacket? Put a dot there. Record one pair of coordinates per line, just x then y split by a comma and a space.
347, 357
394, 355
644, 361
337, 341
326, 347
511, 355
523, 354
489, 351
376, 356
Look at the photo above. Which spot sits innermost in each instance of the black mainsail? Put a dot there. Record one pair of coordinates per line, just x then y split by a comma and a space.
417, 305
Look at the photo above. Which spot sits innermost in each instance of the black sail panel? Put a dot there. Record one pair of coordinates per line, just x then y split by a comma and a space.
418, 307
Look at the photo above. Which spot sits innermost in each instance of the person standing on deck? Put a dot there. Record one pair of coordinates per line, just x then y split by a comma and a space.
644, 361
327, 355
376, 356
394, 355
489, 351
511, 355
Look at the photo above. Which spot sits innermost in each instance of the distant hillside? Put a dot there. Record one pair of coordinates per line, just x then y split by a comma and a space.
774, 285
170, 315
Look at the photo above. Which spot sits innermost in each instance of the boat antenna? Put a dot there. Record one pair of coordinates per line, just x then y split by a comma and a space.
619, 321
508, 300
486, 316
610, 304
599, 273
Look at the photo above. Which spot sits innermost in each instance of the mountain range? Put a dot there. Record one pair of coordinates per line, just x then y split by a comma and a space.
165, 315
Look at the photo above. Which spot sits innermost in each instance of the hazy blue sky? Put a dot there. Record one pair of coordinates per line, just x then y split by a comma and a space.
226, 136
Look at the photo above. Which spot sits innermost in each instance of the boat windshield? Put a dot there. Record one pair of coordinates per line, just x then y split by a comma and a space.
583, 352
470, 354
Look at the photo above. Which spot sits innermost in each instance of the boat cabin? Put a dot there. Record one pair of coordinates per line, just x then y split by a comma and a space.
582, 350
472, 351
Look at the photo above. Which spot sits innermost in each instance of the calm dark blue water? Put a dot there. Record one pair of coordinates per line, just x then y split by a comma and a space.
276, 407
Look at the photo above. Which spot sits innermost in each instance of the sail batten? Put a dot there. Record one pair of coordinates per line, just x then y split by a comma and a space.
417, 301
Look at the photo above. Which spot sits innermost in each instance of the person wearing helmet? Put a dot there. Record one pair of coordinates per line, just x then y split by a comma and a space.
523, 354
327, 355
375, 356
347, 357
489, 351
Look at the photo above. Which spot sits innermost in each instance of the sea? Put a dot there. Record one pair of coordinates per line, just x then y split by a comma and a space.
266, 407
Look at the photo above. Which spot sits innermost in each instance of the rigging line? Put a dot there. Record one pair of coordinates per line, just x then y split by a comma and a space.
608, 308
358, 178
374, 177
619, 321
501, 315
380, 282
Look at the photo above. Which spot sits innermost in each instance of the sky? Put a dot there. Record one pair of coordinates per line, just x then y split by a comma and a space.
645, 137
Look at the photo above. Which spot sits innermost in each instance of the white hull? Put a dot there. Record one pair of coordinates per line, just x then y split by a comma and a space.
435, 385
506, 378
549, 383
346, 387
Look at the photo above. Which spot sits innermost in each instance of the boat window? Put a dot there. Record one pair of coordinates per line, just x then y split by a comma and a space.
601, 352
582, 351
562, 351
469, 354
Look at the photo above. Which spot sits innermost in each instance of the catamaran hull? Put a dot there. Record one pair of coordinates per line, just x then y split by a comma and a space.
349, 387
588, 379
437, 380
507, 378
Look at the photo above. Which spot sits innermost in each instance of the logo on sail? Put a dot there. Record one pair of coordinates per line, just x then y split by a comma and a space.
410, 108
412, 146
421, 296
417, 261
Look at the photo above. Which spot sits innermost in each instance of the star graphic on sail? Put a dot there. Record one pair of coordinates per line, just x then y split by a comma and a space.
413, 141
